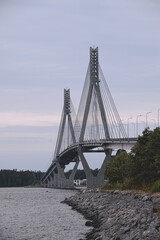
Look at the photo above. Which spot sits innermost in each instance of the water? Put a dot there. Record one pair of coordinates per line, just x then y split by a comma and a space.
37, 214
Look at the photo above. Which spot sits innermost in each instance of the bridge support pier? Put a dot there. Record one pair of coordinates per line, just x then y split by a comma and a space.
62, 181
50, 181
44, 184
47, 183
94, 181
55, 180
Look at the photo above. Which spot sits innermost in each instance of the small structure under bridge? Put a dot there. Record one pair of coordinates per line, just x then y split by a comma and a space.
96, 127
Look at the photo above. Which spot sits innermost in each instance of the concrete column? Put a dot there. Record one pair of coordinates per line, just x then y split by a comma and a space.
100, 175
94, 181
50, 181
63, 182
87, 170
55, 180
44, 184
73, 173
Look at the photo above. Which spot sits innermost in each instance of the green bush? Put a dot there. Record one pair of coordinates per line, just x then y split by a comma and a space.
118, 169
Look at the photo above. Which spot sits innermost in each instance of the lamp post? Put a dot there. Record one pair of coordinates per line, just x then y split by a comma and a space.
128, 126
146, 118
137, 123
154, 122
158, 116
133, 129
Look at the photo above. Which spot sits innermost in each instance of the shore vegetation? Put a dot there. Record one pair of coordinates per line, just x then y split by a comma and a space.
139, 169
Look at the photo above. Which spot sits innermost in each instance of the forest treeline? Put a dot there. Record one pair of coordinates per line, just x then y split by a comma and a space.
14, 178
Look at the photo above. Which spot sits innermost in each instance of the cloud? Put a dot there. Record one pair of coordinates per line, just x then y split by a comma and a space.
28, 119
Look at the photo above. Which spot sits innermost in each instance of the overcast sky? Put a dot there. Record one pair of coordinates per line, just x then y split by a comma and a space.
44, 48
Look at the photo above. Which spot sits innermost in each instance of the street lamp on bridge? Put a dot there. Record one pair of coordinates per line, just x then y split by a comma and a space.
137, 122
128, 126
146, 118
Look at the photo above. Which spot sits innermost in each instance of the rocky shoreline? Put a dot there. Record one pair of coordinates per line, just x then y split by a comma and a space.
118, 215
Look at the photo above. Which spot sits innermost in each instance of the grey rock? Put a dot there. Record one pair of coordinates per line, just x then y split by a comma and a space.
146, 198
116, 191
143, 220
123, 215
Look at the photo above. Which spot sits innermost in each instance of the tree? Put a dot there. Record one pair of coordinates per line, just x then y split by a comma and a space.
118, 169
142, 165
145, 156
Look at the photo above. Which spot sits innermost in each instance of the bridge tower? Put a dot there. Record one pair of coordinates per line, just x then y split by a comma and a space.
65, 138
94, 88
66, 125
94, 92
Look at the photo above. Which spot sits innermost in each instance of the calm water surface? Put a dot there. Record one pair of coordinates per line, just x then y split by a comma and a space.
36, 213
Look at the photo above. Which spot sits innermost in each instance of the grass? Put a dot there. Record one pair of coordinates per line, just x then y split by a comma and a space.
155, 186
128, 185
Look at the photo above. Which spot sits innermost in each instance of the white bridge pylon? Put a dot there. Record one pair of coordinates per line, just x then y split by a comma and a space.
97, 124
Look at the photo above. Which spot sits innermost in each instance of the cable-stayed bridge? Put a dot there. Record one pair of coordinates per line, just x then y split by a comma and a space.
97, 127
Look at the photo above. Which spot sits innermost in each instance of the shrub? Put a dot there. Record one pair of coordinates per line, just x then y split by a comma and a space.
118, 169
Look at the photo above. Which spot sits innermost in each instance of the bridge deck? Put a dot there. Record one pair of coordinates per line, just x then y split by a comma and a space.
69, 154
